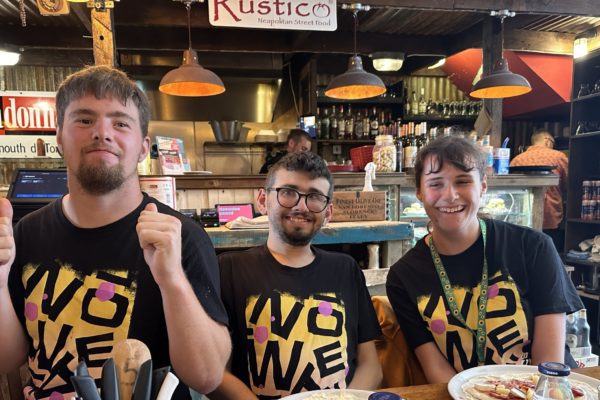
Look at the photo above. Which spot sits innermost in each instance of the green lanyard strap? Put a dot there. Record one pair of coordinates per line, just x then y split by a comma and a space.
480, 334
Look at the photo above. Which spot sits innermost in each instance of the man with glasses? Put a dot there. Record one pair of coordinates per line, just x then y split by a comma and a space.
541, 152
300, 317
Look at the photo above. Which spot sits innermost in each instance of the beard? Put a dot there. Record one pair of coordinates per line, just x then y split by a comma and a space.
297, 236
100, 180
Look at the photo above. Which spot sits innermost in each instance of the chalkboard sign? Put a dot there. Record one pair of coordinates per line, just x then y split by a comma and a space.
358, 206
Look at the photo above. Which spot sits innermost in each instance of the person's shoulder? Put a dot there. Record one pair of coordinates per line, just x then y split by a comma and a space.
334, 258
40, 217
246, 256
507, 231
415, 257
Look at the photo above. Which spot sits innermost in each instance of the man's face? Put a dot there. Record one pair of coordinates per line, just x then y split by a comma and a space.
295, 226
101, 142
303, 144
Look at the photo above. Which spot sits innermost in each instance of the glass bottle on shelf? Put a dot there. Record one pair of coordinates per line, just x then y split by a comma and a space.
358, 126
325, 124
366, 125
373, 124
414, 104
341, 123
410, 149
318, 122
382, 124
422, 103
333, 124
398, 144
349, 123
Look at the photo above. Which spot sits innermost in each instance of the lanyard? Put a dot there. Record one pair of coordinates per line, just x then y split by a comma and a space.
480, 334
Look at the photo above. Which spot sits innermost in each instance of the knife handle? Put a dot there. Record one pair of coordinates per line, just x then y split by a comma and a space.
158, 377
110, 383
143, 382
85, 387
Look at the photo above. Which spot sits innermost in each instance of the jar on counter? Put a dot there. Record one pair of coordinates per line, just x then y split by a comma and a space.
553, 383
384, 153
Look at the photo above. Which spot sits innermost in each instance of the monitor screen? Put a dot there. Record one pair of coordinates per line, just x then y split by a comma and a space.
229, 212
37, 185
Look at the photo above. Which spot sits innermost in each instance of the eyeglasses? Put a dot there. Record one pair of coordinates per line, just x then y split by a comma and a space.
289, 198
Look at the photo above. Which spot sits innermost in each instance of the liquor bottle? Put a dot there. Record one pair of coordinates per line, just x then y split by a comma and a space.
318, 122
571, 332
398, 144
422, 103
583, 334
349, 123
382, 124
366, 125
414, 104
325, 124
373, 124
341, 123
410, 151
358, 126
333, 124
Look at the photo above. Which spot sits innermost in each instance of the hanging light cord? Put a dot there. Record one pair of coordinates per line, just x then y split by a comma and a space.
188, 7
355, 15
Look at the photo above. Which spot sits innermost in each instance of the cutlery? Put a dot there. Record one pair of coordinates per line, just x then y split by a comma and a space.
158, 377
168, 387
85, 387
128, 355
110, 383
143, 383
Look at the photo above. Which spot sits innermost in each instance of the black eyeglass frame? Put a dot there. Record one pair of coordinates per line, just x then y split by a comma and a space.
300, 195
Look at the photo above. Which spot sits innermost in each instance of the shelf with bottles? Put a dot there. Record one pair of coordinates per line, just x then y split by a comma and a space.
350, 142
424, 109
440, 118
347, 123
372, 100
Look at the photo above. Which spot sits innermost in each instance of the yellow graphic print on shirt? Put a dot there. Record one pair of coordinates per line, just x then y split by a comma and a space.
70, 315
506, 324
295, 343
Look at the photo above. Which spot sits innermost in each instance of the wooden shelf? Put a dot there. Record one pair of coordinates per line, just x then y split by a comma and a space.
439, 118
592, 296
581, 262
585, 135
584, 221
376, 100
587, 97
345, 141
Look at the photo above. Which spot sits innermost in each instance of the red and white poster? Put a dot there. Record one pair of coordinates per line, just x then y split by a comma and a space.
27, 111
306, 15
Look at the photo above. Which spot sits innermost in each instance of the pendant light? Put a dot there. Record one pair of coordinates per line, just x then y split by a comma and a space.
501, 83
191, 79
355, 83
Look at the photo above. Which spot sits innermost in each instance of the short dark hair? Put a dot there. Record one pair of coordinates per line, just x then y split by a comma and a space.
102, 82
462, 153
306, 162
538, 135
297, 134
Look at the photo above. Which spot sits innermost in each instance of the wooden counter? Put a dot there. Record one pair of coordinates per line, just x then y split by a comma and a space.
393, 237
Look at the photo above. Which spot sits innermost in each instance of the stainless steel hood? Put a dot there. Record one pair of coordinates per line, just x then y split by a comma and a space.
244, 100
252, 86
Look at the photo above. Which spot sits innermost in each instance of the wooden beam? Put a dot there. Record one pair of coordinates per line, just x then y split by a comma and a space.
492, 53
104, 39
588, 8
82, 13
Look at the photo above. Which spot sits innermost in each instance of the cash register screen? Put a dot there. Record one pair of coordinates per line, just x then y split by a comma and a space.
229, 212
37, 185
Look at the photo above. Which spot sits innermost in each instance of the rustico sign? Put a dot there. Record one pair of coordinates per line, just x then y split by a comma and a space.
308, 15
27, 111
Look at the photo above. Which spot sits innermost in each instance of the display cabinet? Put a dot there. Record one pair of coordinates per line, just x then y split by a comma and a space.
509, 204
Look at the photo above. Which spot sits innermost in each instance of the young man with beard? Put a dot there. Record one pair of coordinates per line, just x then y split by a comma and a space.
107, 262
300, 317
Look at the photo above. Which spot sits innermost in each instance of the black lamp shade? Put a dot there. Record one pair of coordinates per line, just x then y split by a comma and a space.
191, 79
501, 83
355, 83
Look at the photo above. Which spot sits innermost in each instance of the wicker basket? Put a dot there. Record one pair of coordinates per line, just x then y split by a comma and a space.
361, 156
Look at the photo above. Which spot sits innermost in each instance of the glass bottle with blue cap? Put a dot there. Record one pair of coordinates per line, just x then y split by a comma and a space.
553, 382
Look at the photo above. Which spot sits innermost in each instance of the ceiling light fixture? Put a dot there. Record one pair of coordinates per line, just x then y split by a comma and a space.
386, 61
501, 83
9, 57
355, 83
191, 79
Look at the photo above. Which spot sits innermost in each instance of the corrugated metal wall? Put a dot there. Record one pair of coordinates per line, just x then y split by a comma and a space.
437, 88
33, 78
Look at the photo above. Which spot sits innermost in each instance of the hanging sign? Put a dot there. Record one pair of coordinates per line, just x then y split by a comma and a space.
306, 15
28, 146
27, 111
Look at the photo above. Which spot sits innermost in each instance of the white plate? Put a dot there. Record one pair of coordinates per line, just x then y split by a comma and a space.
361, 394
458, 380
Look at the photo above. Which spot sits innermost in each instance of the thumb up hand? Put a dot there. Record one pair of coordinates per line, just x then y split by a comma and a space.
7, 241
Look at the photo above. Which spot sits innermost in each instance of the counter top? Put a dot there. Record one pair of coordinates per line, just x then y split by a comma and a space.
353, 179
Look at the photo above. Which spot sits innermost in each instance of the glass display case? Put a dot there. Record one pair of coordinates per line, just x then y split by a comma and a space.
510, 204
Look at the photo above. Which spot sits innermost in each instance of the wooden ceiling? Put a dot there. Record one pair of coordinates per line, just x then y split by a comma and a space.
153, 32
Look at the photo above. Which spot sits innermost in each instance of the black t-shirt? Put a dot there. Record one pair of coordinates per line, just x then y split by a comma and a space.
526, 279
295, 329
79, 291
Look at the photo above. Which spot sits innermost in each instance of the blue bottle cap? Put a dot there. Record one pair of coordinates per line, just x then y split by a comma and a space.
384, 396
554, 369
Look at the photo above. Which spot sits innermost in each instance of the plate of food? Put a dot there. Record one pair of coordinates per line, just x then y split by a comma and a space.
331, 394
493, 382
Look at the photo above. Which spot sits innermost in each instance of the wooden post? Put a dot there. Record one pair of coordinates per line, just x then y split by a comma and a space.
104, 38
492, 53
